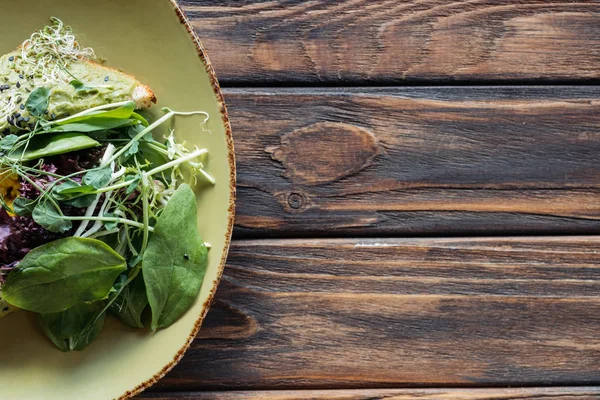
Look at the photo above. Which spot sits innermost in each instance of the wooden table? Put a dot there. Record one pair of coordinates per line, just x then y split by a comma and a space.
419, 190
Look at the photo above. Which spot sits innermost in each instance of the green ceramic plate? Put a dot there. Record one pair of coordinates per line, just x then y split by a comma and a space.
153, 41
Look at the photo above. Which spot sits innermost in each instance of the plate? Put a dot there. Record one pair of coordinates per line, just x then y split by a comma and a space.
152, 40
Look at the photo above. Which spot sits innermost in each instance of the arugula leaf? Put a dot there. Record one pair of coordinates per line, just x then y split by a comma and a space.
37, 102
68, 329
51, 145
58, 275
175, 261
23, 206
131, 303
8, 142
98, 178
49, 217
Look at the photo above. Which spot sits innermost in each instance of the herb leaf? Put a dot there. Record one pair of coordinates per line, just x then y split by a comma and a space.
80, 87
175, 261
60, 274
98, 178
8, 142
68, 329
37, 102
49, 217
23, 206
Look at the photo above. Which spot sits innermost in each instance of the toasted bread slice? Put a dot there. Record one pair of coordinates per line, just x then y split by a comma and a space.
76, 82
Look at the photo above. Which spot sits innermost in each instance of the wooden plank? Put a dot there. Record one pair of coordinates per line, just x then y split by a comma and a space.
554, 393
400, 312
415, 161
360, 41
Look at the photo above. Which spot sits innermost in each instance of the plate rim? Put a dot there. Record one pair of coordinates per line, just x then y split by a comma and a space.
230, 211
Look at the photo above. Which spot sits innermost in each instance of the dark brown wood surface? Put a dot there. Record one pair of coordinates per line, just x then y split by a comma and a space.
351, 313
416, 179
413, 161
398, 41
565, 393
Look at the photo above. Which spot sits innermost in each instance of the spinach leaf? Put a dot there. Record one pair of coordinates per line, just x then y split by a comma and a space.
37, 102
49, 217
23, 206
131, 303
60, 274
8, 142
175, 261
68, 329
51, 145
74, 194
98, 178
94, 125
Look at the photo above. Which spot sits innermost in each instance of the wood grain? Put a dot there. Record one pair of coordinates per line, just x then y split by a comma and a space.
417, 161
558, 393
391, 41
400, 312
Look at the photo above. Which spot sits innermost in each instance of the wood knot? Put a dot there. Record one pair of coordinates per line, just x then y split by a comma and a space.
324, 152
295, 201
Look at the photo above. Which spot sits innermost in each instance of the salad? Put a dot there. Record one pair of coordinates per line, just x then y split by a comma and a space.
98, 216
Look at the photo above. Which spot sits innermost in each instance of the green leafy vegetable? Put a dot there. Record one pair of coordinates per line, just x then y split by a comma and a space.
68, 329
23, 206
131, 303
81, 88
50, 217
175, 261
8, 142
37, 102
98, 178
74, 194
51, 145
63, 273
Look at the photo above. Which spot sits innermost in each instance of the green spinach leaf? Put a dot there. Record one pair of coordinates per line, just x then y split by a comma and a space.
175, 261
37, 102
60, 274
51, 145
70, 329
74, 194
131, 303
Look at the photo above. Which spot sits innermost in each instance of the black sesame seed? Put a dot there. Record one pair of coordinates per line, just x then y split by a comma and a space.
18, 85
106, 78
18, 100
11, 58
22, 106
21, 76
17, 115
27, 119
52, 116
21, 119
5, 309
186, 256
